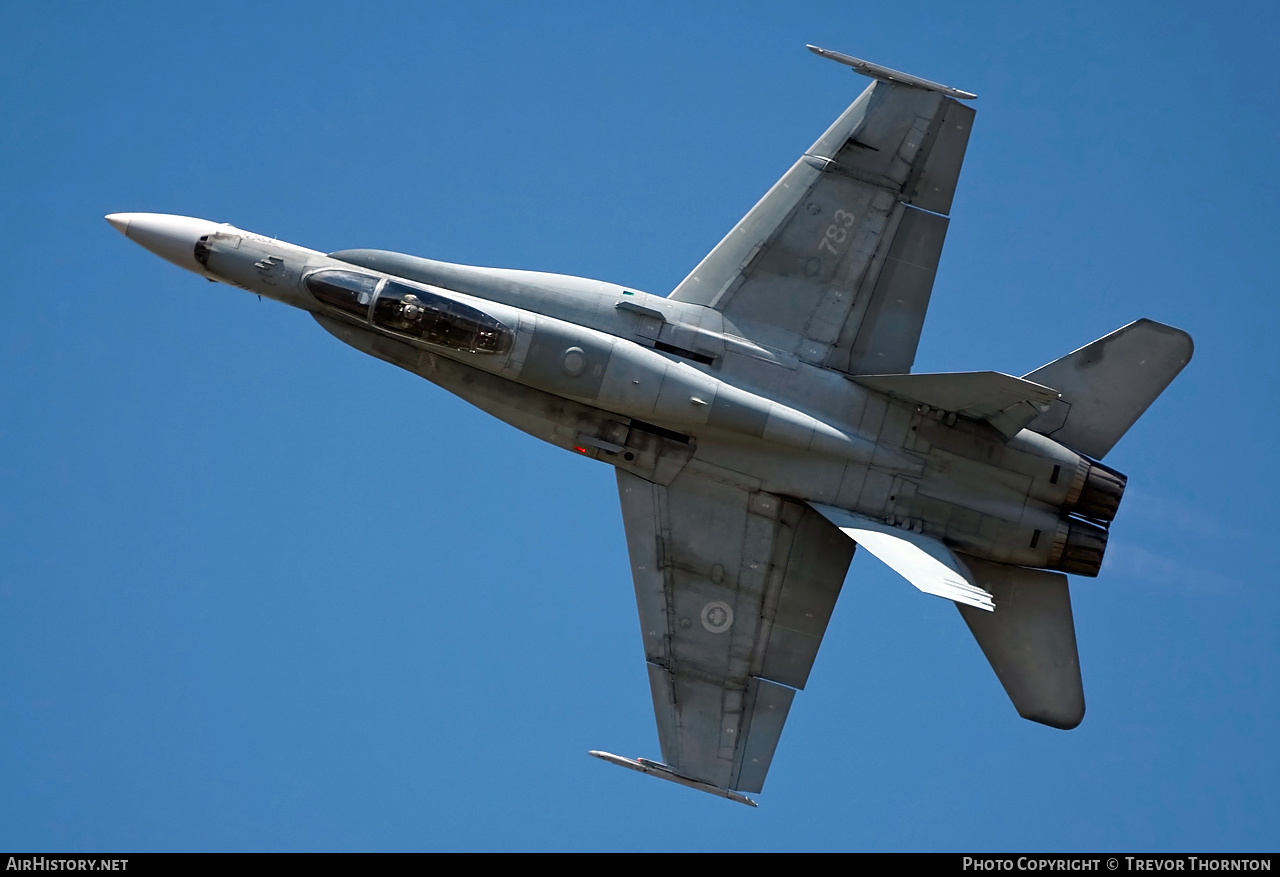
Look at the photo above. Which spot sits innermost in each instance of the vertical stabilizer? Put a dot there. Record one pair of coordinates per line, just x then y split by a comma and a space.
1030, 640
1107, 385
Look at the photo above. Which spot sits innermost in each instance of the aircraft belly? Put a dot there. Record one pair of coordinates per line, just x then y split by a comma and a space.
634, 387
989, 520
566, 360
987, 489
686, 396
777, 470
583, 429
763, 419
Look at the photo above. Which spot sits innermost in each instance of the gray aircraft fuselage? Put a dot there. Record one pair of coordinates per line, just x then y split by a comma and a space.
646, 384
763, 420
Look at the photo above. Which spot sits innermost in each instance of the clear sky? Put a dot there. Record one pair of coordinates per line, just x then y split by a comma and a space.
260, 592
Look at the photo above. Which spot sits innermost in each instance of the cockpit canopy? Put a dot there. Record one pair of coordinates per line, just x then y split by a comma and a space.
410, 310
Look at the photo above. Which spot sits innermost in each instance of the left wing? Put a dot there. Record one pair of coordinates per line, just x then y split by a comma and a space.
836, 262
735, 589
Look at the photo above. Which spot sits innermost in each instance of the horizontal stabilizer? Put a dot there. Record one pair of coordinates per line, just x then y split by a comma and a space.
922, 560
1006, 402
1030, 641
1107, 385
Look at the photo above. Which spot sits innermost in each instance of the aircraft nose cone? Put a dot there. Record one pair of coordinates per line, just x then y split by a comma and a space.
169, 237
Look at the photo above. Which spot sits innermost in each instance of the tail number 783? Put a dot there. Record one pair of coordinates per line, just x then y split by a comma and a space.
836, 232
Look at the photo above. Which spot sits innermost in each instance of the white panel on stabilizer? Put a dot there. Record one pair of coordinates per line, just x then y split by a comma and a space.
922, 560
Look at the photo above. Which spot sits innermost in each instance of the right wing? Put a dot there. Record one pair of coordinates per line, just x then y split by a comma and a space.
836, 263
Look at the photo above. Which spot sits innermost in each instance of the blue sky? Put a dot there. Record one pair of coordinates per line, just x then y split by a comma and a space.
227, 622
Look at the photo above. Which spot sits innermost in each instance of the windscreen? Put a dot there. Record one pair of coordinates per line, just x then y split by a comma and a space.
348, 291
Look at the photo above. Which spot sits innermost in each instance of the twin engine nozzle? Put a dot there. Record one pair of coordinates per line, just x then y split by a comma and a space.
1100, 494
1081, 539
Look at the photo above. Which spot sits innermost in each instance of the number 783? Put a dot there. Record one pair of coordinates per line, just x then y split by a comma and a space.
836, 232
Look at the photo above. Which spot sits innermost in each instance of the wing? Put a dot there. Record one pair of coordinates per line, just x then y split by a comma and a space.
836, 263
735, 589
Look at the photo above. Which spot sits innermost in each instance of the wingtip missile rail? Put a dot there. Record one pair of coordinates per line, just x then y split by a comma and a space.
662, 772
876, 71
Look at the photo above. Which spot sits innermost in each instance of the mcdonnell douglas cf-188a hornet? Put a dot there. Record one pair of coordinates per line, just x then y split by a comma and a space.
763, 420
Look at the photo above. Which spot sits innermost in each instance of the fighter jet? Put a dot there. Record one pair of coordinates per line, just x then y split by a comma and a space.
763, 420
